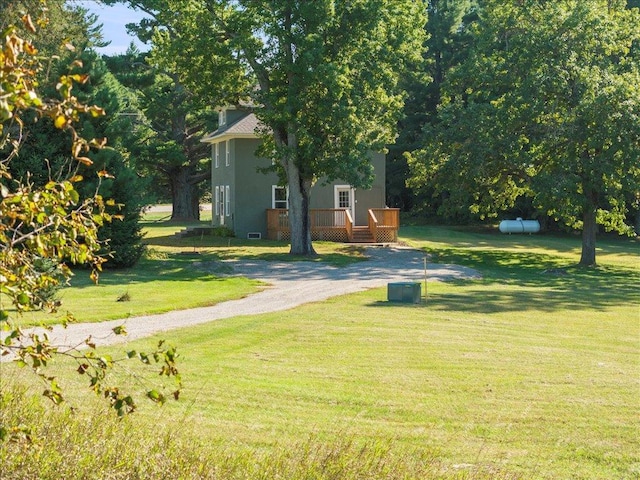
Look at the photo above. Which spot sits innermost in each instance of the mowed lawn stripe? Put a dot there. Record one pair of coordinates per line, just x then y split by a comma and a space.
493, 389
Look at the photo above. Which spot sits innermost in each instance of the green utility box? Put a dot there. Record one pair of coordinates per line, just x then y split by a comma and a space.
406, 292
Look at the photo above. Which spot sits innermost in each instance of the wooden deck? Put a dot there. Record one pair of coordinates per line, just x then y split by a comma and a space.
336, 225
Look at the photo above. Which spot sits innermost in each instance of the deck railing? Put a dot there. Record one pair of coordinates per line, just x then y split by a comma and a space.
277, 219
335, 224
387, 217
328, 218
373, 224
349, 225
384, 224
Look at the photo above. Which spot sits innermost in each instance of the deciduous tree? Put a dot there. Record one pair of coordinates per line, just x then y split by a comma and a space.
326, 75
546, 106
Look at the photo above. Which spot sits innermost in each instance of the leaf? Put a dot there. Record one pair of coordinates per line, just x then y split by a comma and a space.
74, 196
156, 396
98, 112
77, 148
98, 142
54, 396
120, 330
28, 23
105, 174
106, 361
81, 79
23, 299
60, 121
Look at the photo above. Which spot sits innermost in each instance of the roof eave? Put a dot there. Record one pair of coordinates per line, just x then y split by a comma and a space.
227, 136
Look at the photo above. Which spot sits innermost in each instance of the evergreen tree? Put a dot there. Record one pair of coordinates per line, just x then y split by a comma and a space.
445, 47
123, 185
41, 141
169, 152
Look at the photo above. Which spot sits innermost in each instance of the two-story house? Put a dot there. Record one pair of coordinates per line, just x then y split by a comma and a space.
254, 204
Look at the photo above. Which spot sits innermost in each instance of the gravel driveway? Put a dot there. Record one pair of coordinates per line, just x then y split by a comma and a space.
290, 284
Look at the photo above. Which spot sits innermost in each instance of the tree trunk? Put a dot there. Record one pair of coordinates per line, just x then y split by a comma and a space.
185, 195
299, 215
589, 230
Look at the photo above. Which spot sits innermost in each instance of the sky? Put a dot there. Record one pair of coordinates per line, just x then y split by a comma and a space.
114, 19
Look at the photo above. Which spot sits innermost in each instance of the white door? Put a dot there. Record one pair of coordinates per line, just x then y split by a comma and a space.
345, 199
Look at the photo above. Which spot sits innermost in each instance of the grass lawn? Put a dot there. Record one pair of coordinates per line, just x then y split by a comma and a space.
531, 372
175, 273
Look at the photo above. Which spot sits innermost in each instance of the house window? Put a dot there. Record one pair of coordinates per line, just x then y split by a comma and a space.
221, 201
344, 199
227, 153
216, 154
216, 198
227, 198
222, 118
279, 197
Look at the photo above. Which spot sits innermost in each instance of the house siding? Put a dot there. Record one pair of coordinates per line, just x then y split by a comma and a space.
323, 196
253, 189
234, 114
224, 176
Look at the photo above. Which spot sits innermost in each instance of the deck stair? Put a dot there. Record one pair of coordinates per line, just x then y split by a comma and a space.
362, 235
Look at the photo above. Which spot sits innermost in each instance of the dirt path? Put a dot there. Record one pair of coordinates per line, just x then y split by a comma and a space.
291, 284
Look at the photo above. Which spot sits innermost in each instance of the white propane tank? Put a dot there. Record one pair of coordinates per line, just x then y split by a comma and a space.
519, 226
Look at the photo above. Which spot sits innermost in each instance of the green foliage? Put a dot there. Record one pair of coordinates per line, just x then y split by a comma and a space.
123, 185
50, 267
67, 26
45, 226
171, 120
326, 74
122, 238
546, 107
446, 46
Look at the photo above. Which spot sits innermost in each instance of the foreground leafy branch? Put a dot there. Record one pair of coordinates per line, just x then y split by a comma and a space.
44, 229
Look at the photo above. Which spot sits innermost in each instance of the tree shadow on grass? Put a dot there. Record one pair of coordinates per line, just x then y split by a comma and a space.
263, 250
499, 300
564, 295
174, 266
524, 281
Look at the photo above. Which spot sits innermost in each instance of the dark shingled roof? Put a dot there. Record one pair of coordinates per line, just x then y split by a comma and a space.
244, 127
